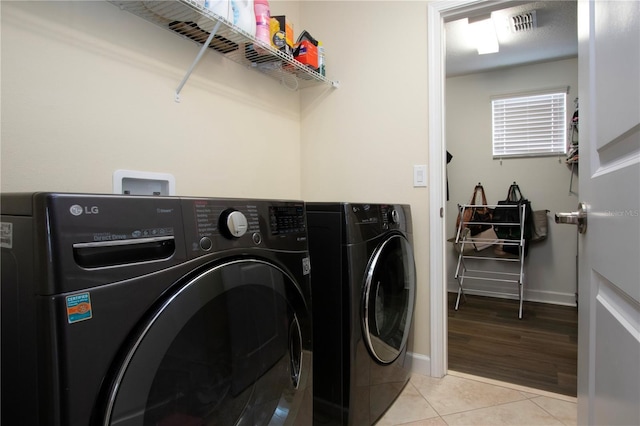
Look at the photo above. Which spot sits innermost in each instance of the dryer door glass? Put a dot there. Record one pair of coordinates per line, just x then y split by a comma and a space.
229, 347
388, 299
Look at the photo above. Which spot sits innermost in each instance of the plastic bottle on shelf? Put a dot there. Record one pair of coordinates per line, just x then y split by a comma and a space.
220, 8
321, 62
242, 14
263, 18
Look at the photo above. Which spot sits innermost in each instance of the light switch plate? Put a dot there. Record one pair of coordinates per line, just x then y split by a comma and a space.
420, 175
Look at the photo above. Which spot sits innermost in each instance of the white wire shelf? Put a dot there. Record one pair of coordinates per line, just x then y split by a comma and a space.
191, 20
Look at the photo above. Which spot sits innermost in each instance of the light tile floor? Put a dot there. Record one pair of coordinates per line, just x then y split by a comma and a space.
460, 399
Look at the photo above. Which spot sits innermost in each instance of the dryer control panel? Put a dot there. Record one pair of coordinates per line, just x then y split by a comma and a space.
370, 220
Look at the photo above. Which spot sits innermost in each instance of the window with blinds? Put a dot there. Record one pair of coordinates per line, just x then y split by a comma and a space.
529, 125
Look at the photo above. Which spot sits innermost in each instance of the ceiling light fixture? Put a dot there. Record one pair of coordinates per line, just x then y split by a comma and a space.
483, 33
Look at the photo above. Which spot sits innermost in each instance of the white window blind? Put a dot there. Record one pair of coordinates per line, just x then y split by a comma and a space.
531, 125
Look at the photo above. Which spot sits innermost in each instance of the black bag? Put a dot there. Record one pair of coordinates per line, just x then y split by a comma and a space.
472, 214
506, 219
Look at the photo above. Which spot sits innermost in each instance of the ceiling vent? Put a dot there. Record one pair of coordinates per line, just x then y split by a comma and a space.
523, 22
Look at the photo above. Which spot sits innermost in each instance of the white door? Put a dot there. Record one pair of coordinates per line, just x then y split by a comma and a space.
609, 250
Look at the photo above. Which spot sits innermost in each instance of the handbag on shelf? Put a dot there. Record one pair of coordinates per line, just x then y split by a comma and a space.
471, 215
507, 221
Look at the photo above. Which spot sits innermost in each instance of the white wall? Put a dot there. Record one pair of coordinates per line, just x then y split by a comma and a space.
550, 271
359, 143
88, 89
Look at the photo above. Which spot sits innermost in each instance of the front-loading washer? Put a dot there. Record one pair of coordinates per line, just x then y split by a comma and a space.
363, 284
134, 310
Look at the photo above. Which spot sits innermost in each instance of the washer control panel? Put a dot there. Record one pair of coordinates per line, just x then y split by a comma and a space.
287, 219
216, 224
214, 218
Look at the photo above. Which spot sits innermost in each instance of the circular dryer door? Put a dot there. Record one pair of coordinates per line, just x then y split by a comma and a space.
388, 299
229, 347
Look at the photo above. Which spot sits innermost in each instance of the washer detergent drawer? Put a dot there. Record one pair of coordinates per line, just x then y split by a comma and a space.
123, 252
225, 348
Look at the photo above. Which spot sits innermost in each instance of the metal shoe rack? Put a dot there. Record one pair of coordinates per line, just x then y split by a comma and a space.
481, 245
189, 19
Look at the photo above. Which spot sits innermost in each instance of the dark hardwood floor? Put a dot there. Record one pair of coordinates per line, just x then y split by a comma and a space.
487, 339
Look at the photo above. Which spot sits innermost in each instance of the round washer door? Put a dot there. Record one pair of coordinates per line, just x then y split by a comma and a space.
388, 298
227, 348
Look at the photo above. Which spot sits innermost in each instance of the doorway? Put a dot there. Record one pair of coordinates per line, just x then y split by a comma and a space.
441, 271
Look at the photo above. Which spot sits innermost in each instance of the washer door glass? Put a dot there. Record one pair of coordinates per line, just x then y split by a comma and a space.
226, 349
388, 299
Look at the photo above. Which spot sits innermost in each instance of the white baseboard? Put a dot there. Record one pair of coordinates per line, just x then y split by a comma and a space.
419, 363
511, 292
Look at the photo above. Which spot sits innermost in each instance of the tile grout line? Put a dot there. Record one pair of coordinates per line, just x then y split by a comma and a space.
526, 394
537, 392
547, 411
522, 389
441, 416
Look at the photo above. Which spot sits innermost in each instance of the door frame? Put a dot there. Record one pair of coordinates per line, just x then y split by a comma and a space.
437, 13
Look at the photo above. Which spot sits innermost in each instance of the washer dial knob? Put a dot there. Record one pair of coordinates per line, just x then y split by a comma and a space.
233, 224
394, 217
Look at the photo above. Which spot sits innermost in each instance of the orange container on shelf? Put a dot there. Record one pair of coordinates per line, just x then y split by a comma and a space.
285, 26
306, 53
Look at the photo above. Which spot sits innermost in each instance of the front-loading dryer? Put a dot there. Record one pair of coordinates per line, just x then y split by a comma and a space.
364, 284
133, 310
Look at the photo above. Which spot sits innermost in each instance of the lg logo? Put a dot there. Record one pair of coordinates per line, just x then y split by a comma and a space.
77, 210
